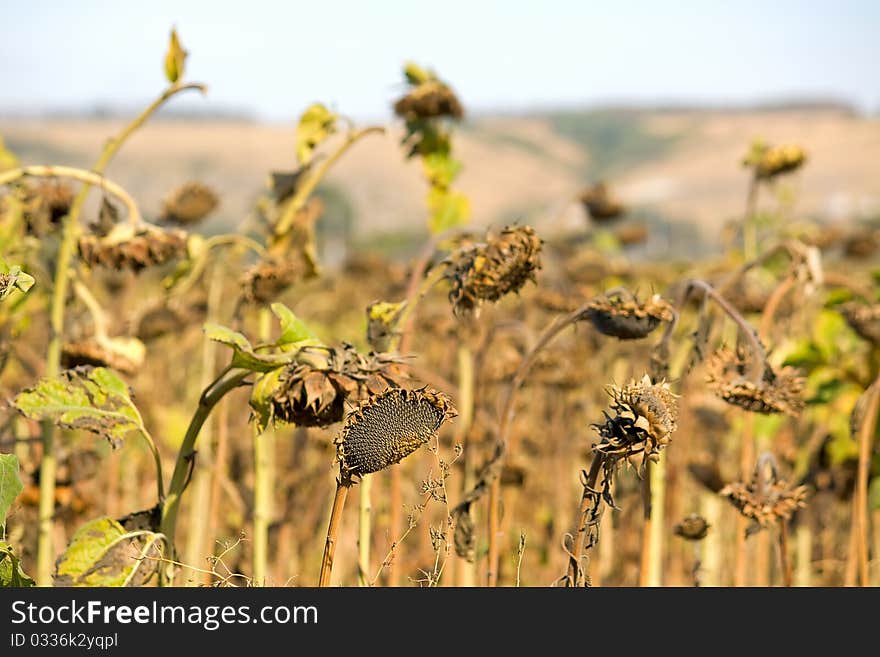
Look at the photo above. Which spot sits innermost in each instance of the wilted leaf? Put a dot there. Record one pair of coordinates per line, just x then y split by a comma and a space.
285, 183
293, 329
91, 399
315, 125
103, 553
11, 573
448, 209
175, 58
12, 278
10, 484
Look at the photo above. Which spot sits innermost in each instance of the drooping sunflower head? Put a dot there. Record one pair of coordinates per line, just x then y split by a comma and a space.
600, 204
771, 161
692, 528
489, 271
133, 248
45, 203
189, 204
312, 391
427, 100
642, 420
624, 317
389, 426
765, 500
268, 278
778, 391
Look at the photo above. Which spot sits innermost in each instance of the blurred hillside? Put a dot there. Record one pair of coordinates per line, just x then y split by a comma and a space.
678, 169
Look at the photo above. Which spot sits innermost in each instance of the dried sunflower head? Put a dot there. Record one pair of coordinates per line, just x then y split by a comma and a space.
268, 278
765, 501
777, 391
863, 319
487, 272
643, 420
707, 475
693, 528
93, 353
311, 392
45, 205
623, 316
772, 161
390, 426
127, 247
427, 100
189, 204
599, 203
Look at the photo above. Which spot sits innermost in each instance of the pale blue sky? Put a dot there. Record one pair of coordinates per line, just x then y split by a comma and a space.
273, 58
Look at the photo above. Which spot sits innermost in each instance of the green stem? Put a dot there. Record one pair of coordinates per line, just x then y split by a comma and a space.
264, 452
199, 521
302, 194
228, 380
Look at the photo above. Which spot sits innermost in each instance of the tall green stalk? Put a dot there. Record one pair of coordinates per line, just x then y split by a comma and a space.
198, 526
264, 476
69, 233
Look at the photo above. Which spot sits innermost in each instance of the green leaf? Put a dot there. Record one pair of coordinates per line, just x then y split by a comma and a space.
104, 553
10, 484
293, 329
12, 278
315, 125
440, 169
261, 398
243, 354
175, 58
448, 209
95, 400
11, 573
416, 75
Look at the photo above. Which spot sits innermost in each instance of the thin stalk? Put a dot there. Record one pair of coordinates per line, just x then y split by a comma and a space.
747, 457
860, 510
264, 453
784, 561
652, 538
467, 570
342, 486
199, 521
710, 505
804, 551
69, 230
228, 380
365, 510
750, 229
302, 194
588, 513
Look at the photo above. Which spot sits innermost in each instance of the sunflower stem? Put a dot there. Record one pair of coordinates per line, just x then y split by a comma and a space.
590, 512
342, 486
365, 511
